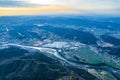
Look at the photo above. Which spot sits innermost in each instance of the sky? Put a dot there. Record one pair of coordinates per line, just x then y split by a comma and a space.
33, 7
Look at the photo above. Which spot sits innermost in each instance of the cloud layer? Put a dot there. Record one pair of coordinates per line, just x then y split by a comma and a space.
75, 6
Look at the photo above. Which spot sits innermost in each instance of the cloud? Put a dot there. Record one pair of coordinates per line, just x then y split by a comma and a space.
101, 4
17, 3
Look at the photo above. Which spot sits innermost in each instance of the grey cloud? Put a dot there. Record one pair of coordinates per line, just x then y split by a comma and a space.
17, 3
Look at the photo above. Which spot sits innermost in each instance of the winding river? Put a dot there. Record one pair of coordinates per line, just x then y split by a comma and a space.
74, 64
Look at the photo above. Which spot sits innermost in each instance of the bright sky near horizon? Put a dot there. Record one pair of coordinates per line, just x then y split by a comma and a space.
26, 7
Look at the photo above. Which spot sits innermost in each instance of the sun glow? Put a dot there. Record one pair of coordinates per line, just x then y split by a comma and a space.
34, 10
